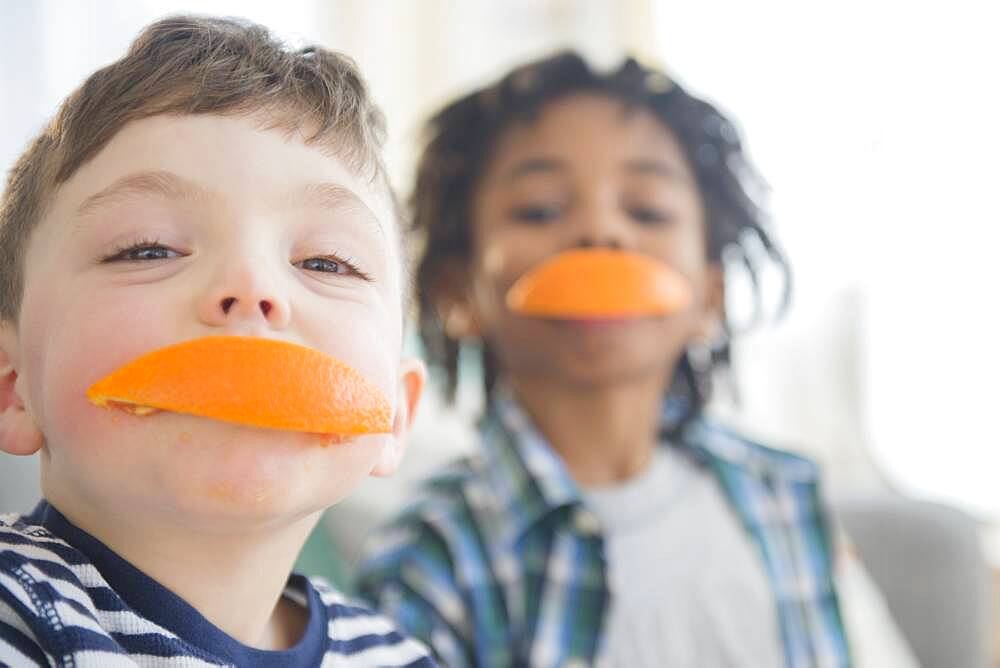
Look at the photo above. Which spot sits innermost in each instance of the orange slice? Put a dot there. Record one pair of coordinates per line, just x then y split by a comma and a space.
590, 284
249, 380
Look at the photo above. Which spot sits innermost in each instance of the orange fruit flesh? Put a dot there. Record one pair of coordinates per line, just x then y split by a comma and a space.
252, 381
599, 284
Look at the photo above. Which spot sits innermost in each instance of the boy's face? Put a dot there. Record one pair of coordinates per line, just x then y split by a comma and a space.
191, 226
588, 173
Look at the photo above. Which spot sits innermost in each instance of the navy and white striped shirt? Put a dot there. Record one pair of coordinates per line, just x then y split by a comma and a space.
68, 600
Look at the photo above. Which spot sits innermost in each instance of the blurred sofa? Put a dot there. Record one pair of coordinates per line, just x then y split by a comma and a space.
928, 561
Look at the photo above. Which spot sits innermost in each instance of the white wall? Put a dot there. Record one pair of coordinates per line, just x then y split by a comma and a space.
876, 124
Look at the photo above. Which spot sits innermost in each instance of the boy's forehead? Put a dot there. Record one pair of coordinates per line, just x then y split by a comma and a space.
205, 156
169, 185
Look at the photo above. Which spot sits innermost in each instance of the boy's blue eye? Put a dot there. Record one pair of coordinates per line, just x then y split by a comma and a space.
331, 265
536, 215
324, 264
141, 252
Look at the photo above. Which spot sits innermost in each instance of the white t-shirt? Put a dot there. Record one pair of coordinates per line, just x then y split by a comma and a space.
689, 589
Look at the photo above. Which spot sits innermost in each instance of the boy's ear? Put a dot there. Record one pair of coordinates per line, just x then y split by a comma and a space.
18, 433
713, 313
412, 378
450, 292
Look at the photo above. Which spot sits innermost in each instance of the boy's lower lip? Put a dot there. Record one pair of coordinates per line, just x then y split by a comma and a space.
185, 437
598, 323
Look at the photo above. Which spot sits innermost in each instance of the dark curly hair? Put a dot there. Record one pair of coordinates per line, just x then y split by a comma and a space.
462, 136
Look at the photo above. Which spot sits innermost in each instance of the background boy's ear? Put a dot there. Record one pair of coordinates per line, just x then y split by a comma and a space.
713, 315
18, 433
412, 379
450, 295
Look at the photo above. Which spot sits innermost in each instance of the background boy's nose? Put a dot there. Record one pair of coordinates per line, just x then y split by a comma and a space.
601, 224
602, 232
594, 241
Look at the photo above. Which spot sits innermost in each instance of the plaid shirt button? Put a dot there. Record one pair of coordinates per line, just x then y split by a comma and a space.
586, 523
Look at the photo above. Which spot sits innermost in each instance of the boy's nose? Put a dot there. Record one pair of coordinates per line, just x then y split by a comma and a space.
603, 234
229, 302
601, 224
230, 310
602, 241
244, 296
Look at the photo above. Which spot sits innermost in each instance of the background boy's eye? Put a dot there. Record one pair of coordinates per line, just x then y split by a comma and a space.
536, 214
650, 215
141, 252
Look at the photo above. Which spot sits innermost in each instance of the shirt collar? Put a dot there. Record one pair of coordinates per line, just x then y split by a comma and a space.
529, 481
164, 608
527, 478
718, 445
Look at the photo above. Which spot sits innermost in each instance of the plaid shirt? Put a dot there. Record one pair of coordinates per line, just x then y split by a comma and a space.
499, 563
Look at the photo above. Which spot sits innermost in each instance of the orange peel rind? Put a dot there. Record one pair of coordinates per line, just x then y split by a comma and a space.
252, 381
592, 284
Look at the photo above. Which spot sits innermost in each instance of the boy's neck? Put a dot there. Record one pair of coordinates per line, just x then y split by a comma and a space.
234, 580
604, 434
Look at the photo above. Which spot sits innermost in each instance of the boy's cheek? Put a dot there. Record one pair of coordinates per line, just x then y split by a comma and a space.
362, 339
66, 370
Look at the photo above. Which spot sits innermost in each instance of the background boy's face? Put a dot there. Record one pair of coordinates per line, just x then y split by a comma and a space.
588, 173
190, 226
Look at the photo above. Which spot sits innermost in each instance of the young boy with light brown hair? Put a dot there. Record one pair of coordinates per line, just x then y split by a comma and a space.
211, 191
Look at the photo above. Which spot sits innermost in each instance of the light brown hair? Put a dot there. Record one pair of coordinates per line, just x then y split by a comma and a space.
190, 65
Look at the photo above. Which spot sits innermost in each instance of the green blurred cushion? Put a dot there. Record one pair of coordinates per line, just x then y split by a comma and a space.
319, 557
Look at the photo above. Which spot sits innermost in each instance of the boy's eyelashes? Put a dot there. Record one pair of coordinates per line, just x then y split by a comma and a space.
536, 214
150, 250
648, 215
143, 250
332, 264
542, 214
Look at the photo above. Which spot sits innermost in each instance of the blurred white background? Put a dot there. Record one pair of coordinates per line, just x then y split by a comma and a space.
876, 124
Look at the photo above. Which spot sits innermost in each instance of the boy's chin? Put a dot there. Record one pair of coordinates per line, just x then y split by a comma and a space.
209, 471
597, 372
223, 506
593, 354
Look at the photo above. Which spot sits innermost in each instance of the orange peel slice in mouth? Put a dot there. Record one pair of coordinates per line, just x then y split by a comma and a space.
599, 284
251, 381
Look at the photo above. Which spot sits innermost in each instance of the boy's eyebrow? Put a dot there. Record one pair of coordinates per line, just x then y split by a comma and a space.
656, 168
636, 165
334, 198
164, 184
532, 166
171, 186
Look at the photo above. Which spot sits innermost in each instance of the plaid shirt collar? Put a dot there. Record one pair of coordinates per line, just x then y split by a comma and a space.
508, 517
531, 481
774, 493
527, 477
